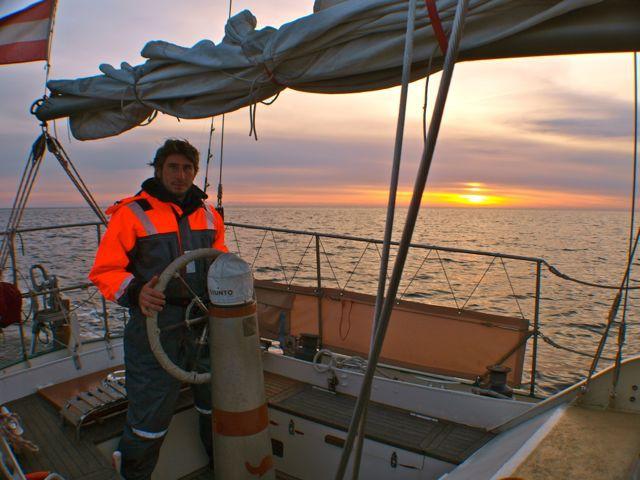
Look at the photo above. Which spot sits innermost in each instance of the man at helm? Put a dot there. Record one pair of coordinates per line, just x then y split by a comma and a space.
167, 218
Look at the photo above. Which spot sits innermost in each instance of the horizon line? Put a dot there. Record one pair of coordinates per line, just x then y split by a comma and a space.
343, 205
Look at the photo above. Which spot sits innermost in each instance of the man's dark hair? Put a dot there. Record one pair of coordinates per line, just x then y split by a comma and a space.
175, 145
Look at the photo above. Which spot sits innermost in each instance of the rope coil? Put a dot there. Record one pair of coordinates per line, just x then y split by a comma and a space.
11, 429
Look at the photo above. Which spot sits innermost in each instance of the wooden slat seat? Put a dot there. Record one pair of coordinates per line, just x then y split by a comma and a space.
87, 399
60, 393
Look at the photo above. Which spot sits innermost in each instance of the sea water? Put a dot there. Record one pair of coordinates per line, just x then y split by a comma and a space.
589, 245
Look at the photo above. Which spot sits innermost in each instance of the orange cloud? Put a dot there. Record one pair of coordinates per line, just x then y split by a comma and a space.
470, 194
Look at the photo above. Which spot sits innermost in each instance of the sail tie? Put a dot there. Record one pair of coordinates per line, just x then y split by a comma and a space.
271, 76
436, 24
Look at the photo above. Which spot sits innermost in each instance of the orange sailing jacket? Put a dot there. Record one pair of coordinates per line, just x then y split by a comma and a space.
144, 235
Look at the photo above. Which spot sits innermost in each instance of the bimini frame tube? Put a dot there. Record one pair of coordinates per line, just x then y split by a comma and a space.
391, 206
398, 267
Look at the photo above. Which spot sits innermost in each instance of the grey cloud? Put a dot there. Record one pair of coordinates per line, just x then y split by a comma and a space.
614, 125
119, 164
311, 161
580, 115
531, 164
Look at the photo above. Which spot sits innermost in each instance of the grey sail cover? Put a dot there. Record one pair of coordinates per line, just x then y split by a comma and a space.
343, 46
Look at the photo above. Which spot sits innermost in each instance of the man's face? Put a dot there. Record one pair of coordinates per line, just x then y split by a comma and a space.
177, 174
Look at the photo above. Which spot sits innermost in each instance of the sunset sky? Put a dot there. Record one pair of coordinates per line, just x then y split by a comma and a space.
549, 132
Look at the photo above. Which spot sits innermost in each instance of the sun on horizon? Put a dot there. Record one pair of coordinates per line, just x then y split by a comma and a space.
469, 193
457, 195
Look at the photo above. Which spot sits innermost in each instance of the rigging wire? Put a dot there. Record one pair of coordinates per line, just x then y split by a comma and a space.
209, 155
548, 340
219, 207
29, 175
219, 196
47, 66
478, 284
295, 271
34, 161
45, 141
426, 97
55, 147
415, 275
513, 290
382, 321
453, 293
564, 276
407, 61
366, 247
624, 286
634, 190
613, 312
212, 129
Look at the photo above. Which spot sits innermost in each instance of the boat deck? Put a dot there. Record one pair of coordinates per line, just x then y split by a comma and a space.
60, 450
79, 458
604, 444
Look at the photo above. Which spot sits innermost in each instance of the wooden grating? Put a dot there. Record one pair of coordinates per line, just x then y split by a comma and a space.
58, 395
440, 439
278, 387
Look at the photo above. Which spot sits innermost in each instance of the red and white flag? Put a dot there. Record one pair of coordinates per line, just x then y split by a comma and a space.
25, 28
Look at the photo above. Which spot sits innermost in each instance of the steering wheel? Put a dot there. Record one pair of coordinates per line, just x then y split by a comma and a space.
153, 331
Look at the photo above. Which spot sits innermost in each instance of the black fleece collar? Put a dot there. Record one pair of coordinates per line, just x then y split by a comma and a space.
193, 200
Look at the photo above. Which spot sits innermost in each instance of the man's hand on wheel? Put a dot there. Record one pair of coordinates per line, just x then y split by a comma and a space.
150, 300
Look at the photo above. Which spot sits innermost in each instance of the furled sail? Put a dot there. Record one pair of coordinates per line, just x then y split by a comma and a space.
344, 46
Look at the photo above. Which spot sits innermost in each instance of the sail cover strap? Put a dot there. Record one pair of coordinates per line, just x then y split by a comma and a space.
436, 24
272, 77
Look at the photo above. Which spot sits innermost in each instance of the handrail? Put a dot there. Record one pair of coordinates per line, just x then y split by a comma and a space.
424, 246
379, 242
320, 234
69, 288
50, 227
537, 275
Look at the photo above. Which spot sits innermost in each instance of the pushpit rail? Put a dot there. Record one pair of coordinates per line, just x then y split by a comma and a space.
539, 262
315, 239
